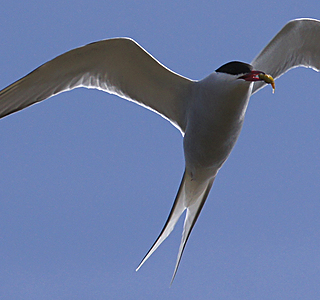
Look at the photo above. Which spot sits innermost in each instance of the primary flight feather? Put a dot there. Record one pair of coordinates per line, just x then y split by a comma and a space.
209, 113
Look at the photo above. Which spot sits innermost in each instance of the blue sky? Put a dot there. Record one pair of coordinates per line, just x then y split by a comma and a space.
87, 180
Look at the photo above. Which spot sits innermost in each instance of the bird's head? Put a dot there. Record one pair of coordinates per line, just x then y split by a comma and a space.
244, 71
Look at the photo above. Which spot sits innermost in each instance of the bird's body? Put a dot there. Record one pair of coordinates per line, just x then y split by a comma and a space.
214, 121
209, 113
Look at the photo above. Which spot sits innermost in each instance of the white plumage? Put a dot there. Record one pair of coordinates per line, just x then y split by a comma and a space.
209, 113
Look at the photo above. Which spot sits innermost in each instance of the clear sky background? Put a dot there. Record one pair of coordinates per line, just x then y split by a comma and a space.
87, 179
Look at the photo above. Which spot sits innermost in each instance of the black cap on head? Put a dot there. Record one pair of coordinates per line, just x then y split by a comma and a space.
235, 68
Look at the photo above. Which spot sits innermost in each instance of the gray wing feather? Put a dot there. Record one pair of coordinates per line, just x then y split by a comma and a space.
296, 44
118, 66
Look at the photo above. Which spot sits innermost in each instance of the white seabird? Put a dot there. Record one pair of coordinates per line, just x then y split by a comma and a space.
209, 113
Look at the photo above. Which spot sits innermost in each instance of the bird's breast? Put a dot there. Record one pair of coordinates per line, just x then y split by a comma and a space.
214, 125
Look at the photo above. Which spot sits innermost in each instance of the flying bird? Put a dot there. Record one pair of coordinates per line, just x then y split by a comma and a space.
209, 113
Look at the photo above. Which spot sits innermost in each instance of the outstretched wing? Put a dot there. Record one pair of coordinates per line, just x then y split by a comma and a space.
296, 44
118, 66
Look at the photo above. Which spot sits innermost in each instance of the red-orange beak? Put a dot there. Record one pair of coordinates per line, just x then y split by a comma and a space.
252, 76
259, 76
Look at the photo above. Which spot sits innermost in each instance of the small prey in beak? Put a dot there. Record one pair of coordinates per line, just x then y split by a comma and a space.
267, 79
259, 76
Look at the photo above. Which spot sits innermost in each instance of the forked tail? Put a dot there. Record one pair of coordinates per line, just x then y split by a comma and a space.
177, 209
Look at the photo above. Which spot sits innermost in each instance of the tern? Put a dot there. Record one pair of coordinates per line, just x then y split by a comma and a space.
209, 113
